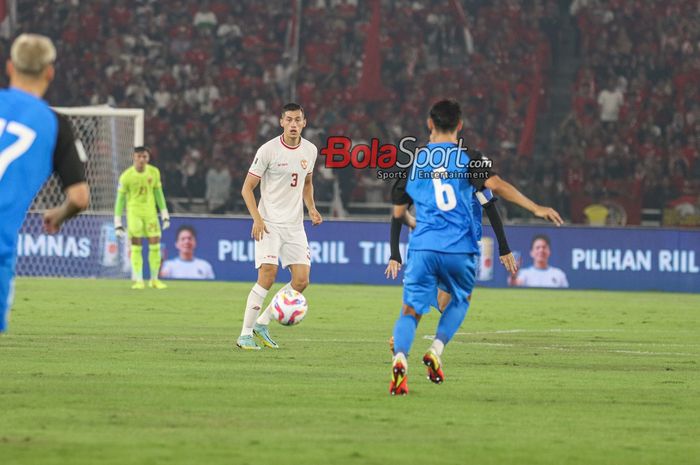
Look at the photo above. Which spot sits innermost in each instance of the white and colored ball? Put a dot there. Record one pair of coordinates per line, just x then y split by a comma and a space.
289, 307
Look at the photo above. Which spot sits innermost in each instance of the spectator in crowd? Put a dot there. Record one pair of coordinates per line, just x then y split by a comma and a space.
218, 187
204, 18
610, 101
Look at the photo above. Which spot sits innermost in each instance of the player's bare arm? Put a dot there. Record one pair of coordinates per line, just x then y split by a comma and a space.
249, 185
77, 200
409, 220
308, 194
507, 191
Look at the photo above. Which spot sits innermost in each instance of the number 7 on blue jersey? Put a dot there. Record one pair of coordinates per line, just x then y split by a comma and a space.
25, 139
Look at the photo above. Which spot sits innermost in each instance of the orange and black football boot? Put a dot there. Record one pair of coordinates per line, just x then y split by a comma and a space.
399, 380
432, 361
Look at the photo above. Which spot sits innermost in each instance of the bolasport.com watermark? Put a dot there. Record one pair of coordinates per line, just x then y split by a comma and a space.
405, 159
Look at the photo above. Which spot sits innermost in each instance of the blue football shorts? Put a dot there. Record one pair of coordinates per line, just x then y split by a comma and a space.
426, 270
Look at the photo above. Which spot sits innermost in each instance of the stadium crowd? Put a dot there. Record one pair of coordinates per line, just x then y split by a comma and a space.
213, 74
633, 137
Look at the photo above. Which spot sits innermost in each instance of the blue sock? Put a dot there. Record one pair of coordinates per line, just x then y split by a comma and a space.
404, 332
6, 291
451, 320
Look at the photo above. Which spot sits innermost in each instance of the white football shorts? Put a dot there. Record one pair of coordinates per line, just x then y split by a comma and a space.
287, 244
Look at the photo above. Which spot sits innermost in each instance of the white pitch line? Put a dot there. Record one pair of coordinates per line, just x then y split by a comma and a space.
577, 348
582, 348
640, 352
554, 330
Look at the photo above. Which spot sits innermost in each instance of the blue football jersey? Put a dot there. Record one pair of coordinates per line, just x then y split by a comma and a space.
33, 142
447, 217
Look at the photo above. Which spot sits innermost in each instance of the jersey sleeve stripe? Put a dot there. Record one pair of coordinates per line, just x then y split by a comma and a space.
256, 175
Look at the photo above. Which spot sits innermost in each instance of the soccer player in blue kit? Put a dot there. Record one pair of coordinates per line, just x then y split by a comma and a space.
34, 141
443, 248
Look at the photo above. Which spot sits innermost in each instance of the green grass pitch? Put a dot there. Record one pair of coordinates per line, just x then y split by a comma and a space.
92, 372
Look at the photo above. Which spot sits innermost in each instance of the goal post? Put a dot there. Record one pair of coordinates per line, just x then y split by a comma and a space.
137, 114
87, 245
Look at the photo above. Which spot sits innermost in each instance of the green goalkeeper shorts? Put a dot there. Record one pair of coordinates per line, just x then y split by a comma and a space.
143, 226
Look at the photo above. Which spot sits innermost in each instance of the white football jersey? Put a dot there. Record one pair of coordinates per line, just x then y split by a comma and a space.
282, 171
546, 277
176, 268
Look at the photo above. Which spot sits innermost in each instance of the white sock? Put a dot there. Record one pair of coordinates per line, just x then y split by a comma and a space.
252, 308
438, 346
266, 316
401, 357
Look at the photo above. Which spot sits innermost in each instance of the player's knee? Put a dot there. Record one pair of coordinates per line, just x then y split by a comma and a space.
266, 281
299, 284
443, 300
410, 311
267, 275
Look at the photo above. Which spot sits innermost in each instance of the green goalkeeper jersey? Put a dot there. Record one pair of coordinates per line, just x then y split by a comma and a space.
139, 189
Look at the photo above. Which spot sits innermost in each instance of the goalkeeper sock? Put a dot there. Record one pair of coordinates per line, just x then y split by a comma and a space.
252, 308
136, 262
266, 316
404, 332
450, 321
154, 259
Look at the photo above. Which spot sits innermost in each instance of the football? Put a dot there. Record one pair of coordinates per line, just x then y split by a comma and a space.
289, 307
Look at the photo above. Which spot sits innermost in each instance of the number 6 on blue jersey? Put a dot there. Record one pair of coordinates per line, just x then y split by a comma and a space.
445, 197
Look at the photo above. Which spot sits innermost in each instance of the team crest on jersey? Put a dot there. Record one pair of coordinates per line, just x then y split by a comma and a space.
150, 180
304, 164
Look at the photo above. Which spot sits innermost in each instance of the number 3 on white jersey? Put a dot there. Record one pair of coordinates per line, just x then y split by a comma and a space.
19, 147
445, 197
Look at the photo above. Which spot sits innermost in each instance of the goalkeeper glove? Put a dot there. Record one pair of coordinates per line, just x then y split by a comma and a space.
118, 227
165, 219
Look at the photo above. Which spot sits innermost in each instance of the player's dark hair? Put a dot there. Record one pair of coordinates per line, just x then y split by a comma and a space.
543, 237
446, 115
291, 106
186, 227
142, 148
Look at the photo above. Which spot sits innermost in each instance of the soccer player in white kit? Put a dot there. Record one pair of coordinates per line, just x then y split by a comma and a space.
283, 166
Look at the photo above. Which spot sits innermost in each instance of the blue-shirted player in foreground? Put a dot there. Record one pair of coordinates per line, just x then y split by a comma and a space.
443, 248
34, 142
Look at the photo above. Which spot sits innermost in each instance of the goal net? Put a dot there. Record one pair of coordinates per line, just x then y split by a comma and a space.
87, 245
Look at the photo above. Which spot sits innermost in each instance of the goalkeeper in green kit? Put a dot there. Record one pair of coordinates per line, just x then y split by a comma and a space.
141, 190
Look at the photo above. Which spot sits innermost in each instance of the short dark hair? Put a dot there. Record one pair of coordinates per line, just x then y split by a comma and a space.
543, 237
185, 227
142, 148
291, 106
446, 115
